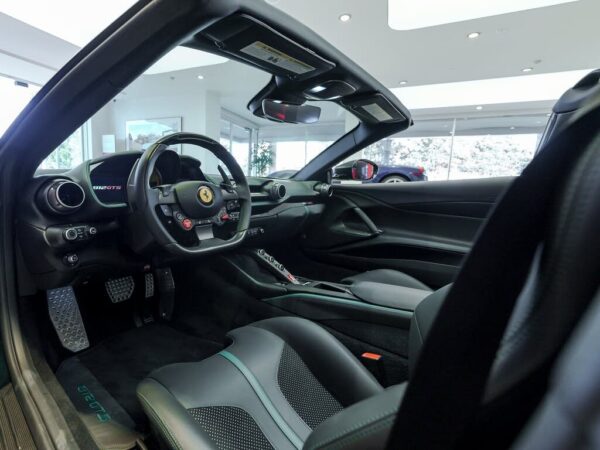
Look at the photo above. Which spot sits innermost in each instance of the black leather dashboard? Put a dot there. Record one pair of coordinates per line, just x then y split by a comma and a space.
98, 226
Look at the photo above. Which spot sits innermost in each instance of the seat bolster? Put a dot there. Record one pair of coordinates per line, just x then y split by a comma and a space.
366, 424
338, 370
388, 276
421, 323
170, 419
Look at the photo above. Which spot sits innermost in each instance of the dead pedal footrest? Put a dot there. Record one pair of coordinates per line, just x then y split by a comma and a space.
120, 289
66, 318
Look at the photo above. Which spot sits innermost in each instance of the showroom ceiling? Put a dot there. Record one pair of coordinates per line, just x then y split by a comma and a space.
553, 39
559, 38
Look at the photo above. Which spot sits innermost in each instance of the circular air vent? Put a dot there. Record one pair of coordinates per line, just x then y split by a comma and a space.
324, 189
64, 196
277, 191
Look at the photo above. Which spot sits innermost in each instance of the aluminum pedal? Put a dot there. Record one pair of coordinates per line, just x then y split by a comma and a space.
66, 318
120, 289
149, 285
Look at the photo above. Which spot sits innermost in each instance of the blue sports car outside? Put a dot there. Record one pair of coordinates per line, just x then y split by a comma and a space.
385, 174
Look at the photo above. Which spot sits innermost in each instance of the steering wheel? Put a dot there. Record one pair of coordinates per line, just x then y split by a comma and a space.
188, 210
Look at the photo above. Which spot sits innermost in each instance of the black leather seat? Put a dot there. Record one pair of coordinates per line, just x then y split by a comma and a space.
278, 381
286, 383
387, 276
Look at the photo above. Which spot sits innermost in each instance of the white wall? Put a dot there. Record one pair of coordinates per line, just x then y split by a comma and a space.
29, 54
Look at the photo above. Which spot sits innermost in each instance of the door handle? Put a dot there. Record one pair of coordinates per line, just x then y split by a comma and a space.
373, 230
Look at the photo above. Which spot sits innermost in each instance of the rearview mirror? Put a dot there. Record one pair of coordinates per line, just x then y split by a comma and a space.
364, 170
290, 113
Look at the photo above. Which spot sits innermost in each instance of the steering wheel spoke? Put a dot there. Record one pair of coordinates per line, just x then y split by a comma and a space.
230, 194
166, 195
235, 193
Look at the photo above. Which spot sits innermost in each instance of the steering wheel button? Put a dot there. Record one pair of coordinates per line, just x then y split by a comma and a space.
180, 217
187, 224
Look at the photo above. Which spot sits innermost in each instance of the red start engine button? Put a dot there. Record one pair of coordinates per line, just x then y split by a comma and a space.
187, 224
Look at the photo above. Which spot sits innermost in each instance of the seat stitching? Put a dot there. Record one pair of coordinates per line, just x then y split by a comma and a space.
373, 428
264, 398
419, 330
166, 430
354, 428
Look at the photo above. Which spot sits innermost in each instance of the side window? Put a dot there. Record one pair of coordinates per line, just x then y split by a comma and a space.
455, 149
69, 154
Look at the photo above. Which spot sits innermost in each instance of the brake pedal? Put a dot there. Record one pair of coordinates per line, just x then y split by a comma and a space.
120, 289
148, 285
66, 318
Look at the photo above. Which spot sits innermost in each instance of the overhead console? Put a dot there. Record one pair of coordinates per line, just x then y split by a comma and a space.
255, 42
300, 73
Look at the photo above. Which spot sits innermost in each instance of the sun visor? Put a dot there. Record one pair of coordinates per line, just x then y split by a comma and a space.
255, 42
374, 109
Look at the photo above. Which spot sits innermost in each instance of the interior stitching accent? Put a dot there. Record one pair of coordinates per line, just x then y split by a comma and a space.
168, 433
356, 427
264, 398
373, 428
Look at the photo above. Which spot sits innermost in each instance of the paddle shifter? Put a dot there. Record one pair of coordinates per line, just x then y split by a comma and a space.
275, 266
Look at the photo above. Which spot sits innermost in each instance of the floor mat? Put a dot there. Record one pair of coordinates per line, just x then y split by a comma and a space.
121, 362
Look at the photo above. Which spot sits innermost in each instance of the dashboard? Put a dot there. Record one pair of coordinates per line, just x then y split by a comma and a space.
108, 178
76, 222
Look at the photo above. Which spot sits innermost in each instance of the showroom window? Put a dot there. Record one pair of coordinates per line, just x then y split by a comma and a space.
294, 146
459, 149
238, 139
72, 152
15, 96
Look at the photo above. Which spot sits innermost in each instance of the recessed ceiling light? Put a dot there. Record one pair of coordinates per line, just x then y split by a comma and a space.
345, 17
527, 69
403, 83
201, 77
474, 35
479, 108
531, 87
406, 15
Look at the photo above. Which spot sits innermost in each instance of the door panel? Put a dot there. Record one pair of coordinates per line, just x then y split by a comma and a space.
424, 229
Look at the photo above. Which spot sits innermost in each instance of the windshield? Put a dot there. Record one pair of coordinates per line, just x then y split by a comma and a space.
188, 90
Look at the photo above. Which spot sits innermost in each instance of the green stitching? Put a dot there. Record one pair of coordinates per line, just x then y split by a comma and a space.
170, 435
264, 398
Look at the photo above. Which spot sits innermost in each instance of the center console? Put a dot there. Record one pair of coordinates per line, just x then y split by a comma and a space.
261, 274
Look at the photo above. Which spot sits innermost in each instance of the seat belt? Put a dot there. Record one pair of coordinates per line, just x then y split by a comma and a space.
446, 391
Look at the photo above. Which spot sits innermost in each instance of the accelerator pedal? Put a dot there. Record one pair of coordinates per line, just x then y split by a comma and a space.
166, 292
66, 318
120, 289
